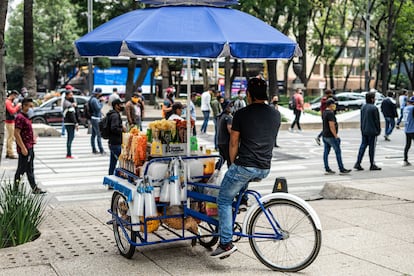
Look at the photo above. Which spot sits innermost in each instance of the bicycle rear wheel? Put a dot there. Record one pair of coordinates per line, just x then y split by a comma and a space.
301, 240
120, 207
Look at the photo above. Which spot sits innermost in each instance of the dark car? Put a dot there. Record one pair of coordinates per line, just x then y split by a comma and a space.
50, 112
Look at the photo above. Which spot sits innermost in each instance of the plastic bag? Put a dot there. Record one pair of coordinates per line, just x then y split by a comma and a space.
215, 180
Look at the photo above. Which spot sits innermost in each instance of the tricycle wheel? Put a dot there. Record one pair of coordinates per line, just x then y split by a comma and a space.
123, 232
206, 230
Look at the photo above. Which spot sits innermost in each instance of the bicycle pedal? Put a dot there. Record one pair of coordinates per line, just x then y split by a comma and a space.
224, 257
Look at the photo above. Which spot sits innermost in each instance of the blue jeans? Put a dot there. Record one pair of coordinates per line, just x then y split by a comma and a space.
401, 116
115, 152
96, 133
63, 128
236, 179
71, 135
389, 125
331, 142
206, 115
367, 141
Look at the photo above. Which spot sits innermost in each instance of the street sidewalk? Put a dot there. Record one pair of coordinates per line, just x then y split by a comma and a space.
367, 230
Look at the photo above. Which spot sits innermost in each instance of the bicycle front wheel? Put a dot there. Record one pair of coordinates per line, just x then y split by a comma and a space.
298, 243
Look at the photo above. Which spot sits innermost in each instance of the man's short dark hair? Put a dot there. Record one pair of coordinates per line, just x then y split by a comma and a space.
25, 101
116, 102
369, 96
390, 94
257, 89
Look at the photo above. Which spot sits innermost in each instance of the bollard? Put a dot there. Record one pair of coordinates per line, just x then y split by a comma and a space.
280, 185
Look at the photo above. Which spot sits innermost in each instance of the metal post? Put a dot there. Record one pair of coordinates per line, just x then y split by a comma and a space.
367, 40
90, 60
188, 115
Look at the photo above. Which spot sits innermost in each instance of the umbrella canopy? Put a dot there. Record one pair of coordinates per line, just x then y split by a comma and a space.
187, 31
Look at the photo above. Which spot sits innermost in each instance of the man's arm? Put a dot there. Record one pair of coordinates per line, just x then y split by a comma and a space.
19, 141
333, 129
234, 145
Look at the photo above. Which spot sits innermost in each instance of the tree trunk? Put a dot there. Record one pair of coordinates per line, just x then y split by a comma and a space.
3, 88
203, 64
132, 64
227, 82
165, 73
142, 73
29, 77
272, 77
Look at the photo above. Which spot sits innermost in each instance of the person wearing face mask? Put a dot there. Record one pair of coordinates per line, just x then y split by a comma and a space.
25, 140
115, 134
70, 119
133, 110
330, 138
274, 104
11, 110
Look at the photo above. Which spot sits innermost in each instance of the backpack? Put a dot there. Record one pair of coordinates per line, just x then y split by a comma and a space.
87, 110
292, 103
105, 126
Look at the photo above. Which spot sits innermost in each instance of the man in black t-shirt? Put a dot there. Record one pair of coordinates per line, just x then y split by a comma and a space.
252, 138
331, 138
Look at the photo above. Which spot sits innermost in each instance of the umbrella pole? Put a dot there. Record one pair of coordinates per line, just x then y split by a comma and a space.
188, 115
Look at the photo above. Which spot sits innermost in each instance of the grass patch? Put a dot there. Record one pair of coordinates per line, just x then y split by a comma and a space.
21, 213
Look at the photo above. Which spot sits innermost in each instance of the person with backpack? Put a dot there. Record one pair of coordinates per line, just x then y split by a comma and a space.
70, 119
95, 105
408, 128
297, 101
389, 110
114, 127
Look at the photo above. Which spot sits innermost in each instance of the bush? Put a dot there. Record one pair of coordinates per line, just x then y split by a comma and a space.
21, 212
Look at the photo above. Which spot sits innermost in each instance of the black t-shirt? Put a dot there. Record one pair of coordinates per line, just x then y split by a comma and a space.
256, 124
328, 115
223, 135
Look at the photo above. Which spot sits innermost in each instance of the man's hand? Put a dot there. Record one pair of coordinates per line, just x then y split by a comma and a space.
77, 127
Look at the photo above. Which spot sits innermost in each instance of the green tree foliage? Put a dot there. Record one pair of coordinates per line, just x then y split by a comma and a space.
55, 29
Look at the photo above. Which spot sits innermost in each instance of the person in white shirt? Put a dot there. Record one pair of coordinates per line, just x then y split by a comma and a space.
177, 109
205, 108
240, 102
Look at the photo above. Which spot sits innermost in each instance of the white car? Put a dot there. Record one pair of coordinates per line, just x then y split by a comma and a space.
346, 101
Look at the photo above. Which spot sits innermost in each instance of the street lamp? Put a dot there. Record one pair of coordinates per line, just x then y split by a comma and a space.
367, 39
90, 59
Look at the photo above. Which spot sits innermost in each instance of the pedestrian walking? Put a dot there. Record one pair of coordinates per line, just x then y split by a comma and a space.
240, 102
115, 134
402, 100
274, 104
205, 108
251, 144
389, 110
68, 87
113, 96
328, 95
216, 108
95, 104
70, 119
331, 138
408, 128
298, 109
224, 123
12, 108
133, 110
370, 129
25, 141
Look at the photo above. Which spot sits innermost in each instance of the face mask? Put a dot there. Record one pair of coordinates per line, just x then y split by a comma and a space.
71, 100
30, 113
134, 100
275, 102
121, 108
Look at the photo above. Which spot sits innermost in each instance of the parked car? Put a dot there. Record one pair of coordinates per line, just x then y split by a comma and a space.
346, 101
50, 112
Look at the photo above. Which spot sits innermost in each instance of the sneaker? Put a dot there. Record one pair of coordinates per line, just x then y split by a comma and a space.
69, 157
290, 129
397, 126
102, 153
386, 138
38, 191
358, 167
329, 171
223, 250
406, 164
345, 171
374, 168
318, 141
11, 156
